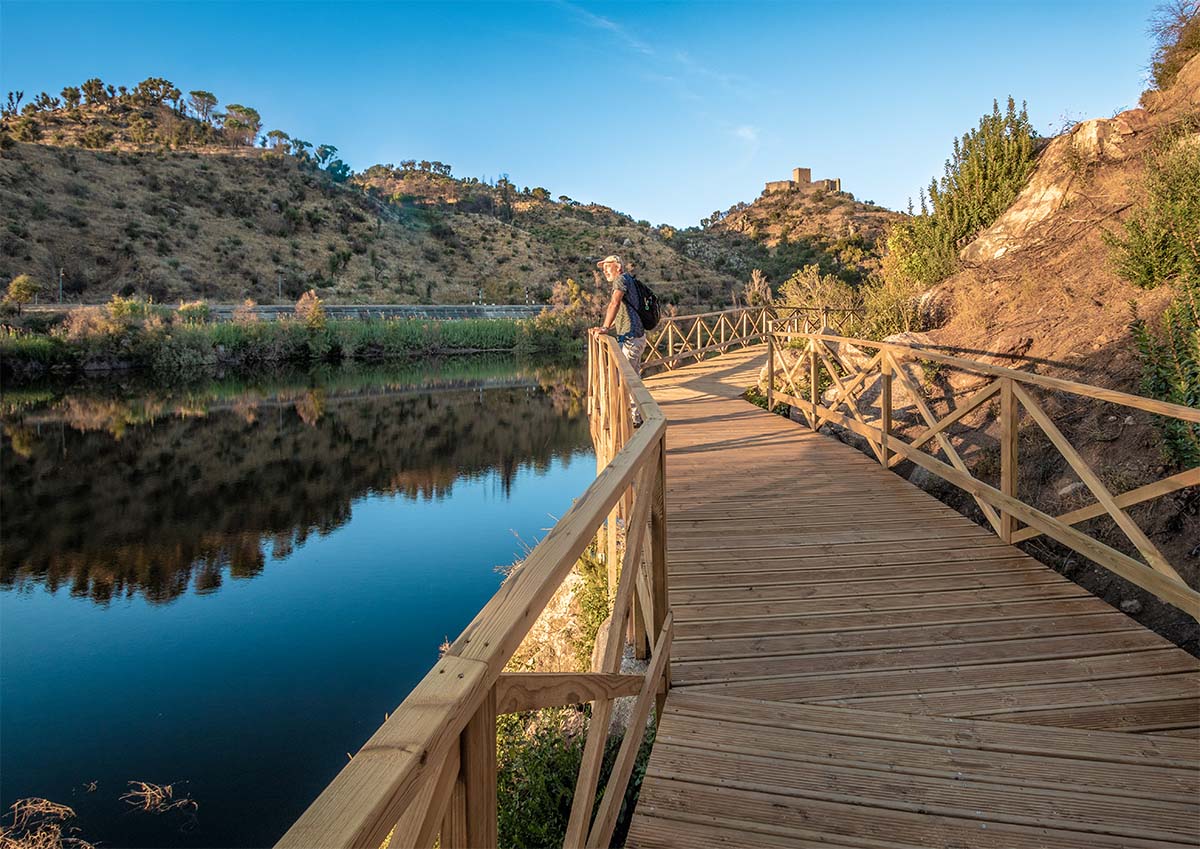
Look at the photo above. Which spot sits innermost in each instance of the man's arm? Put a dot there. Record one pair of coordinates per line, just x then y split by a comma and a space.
610, 316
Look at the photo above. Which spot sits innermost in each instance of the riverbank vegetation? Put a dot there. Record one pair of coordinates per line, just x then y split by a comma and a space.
538, 753
130, 333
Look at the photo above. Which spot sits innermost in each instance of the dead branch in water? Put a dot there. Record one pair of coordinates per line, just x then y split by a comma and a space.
157, 798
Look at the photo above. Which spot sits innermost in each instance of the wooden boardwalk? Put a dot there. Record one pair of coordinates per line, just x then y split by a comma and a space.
856, 664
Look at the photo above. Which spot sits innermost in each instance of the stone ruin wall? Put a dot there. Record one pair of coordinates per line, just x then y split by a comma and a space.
802, 179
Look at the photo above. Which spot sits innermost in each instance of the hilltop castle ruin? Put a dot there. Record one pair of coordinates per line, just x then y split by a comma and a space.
802, 179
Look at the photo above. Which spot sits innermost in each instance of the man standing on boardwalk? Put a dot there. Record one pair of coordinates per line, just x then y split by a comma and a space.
622, 317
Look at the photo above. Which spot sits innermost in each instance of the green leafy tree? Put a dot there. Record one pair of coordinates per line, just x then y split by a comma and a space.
300, 149
278, 140
325, 153
338, 171
203, 103
71, 96
154, 91
242, 124
21, 290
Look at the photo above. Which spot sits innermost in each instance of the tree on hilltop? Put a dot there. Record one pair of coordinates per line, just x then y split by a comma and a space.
154, 91
13, 106
203, 103
46, 103
279, 140
71, 96
300, 149
242, 123
325, 153
93, 91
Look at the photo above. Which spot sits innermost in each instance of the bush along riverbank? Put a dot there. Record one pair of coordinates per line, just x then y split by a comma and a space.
134, 334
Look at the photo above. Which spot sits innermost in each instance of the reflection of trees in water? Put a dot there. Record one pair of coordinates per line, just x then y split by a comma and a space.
110, 498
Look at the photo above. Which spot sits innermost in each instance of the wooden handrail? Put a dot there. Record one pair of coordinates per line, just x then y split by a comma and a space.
680, 339
1002, 506
430, 769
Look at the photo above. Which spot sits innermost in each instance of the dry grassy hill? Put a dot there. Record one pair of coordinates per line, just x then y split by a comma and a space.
130, 196
785, 230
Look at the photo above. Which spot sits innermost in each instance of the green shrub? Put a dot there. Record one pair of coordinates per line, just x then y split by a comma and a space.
1171, 364
193, 313
311, 311
808, 287
1161, 246
890, 306
537, 760
1164, 229
176, 351
19, 347
989, 167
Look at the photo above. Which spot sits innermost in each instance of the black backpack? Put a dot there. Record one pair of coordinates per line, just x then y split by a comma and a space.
647, 307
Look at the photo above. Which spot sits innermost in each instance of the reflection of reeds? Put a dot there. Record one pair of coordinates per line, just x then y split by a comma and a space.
157, 798
40, 824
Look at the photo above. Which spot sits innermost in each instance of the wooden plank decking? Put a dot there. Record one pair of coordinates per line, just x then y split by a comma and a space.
855, 664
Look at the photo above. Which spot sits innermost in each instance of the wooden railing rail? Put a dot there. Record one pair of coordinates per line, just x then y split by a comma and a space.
679, 339
852, 369
429, 772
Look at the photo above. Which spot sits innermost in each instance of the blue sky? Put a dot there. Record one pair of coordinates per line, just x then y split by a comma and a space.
666, 111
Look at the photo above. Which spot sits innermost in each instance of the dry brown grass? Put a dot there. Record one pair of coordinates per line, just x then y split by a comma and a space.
40, 824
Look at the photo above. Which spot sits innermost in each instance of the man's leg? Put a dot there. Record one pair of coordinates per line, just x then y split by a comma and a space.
633, 350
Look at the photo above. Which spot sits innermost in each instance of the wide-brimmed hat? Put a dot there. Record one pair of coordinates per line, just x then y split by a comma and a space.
611, 258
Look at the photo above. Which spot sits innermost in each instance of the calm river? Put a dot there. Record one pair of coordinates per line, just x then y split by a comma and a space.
225, 588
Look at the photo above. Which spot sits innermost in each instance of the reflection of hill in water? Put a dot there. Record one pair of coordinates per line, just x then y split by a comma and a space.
156, 493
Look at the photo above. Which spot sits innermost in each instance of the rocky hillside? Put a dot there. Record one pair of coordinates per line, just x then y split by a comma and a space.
783, 230
1041, 285
1041, 281
123, 192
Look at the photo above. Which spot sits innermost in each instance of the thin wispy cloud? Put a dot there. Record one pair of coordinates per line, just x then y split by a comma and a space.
677, 70
609, 25
747, 133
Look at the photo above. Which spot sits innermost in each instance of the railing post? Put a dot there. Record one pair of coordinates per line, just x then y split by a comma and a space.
479, 777
813, 370
770, 368
658, 559
1008, 454
885, 409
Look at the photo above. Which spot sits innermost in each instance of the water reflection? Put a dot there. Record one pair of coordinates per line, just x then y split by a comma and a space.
124, 490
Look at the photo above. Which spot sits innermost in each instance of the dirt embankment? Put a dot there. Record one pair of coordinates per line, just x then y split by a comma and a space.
1038, 290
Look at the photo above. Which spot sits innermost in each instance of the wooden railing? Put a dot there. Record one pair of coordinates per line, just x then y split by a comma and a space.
429, 772
679, 339
852, 371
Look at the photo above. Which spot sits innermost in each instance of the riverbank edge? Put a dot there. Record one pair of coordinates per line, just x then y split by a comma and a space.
173, 351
